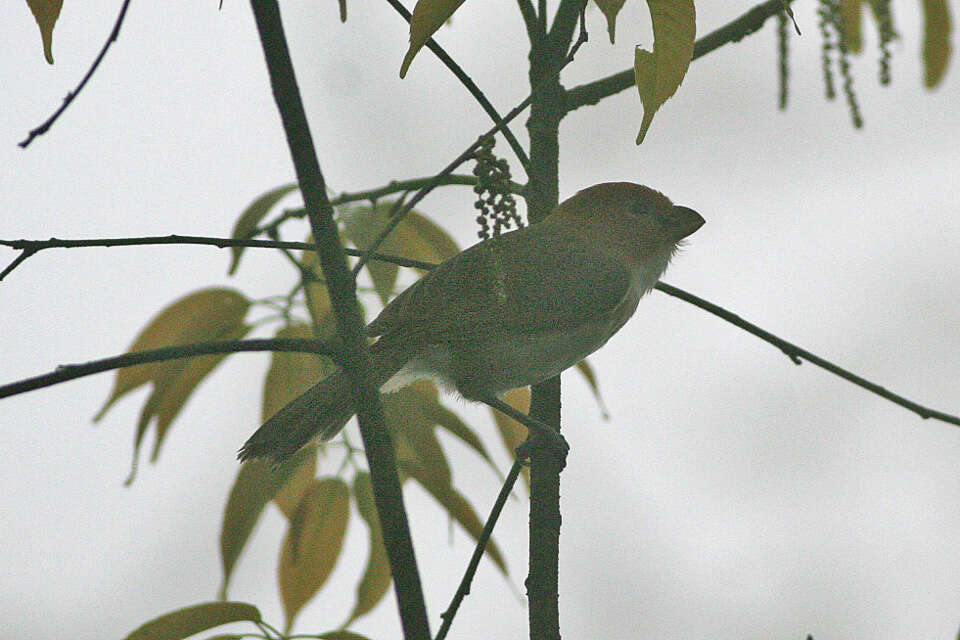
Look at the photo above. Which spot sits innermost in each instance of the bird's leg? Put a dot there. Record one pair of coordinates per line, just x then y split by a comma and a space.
540, 430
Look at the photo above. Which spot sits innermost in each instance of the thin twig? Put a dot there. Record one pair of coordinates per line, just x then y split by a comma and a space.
16, 262
30, 247
42, 129
464, 589
750, 22
463, 157
395, 186
797, 354
470, 85
73, 371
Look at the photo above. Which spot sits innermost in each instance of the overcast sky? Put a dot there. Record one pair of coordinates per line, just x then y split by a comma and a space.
732, 494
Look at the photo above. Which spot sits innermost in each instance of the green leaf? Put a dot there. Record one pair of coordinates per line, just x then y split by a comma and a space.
376, 576
313, 543
257, 483
251, 217
46, 12
659, 73
936, 41
610, 9
185, 622
427, 17
200, 316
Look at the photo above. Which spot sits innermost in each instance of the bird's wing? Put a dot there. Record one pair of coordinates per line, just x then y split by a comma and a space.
526, 282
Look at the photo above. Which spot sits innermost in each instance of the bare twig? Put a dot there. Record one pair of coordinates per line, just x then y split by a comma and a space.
30, 247
463, 157
42, 129
470, 85
396, 186
464, 589
67, 372
796, 354
750, 22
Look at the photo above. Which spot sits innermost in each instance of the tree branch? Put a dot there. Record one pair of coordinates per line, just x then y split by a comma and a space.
529, 18
30, 247
395, 186
796, 353
67, 372
45, 126
470, 85
464, 589
750, 22
388, 495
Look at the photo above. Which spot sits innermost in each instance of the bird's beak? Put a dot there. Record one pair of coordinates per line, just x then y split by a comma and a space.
685, 221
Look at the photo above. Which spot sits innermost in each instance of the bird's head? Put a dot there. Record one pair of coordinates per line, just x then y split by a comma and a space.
630, 221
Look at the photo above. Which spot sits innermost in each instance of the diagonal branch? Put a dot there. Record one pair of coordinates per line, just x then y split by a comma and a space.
796, 354
67, 372
388, 495
464, 589
114, 33
470, 85
463, 157
735, 31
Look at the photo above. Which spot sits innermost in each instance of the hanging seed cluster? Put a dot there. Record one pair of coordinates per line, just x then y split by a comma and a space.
834, 34
495, 203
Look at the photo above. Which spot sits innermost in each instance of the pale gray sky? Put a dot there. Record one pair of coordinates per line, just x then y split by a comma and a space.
731, 494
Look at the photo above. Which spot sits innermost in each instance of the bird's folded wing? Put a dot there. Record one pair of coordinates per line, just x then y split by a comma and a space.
525, 282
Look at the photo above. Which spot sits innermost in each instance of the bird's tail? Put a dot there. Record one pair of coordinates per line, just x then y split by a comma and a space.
321, 411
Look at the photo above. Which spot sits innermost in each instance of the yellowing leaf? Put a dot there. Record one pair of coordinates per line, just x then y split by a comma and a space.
427, 17
852, 12
610, 9
936, 41
512, 432
179, 381
415, 237
185, 622
199, 316
318, 297
251, 217
414, 435
659, 74
313, 543
257, 483
288, 496
376, 577
587, 371
46, 12
341, 634
291, 373
457, 506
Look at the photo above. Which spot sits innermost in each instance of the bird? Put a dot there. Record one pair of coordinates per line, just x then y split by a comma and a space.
511, 311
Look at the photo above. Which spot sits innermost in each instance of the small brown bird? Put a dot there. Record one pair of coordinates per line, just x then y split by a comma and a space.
510, 311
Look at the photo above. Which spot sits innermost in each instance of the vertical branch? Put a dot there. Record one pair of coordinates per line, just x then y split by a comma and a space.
379, 449
547, 108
